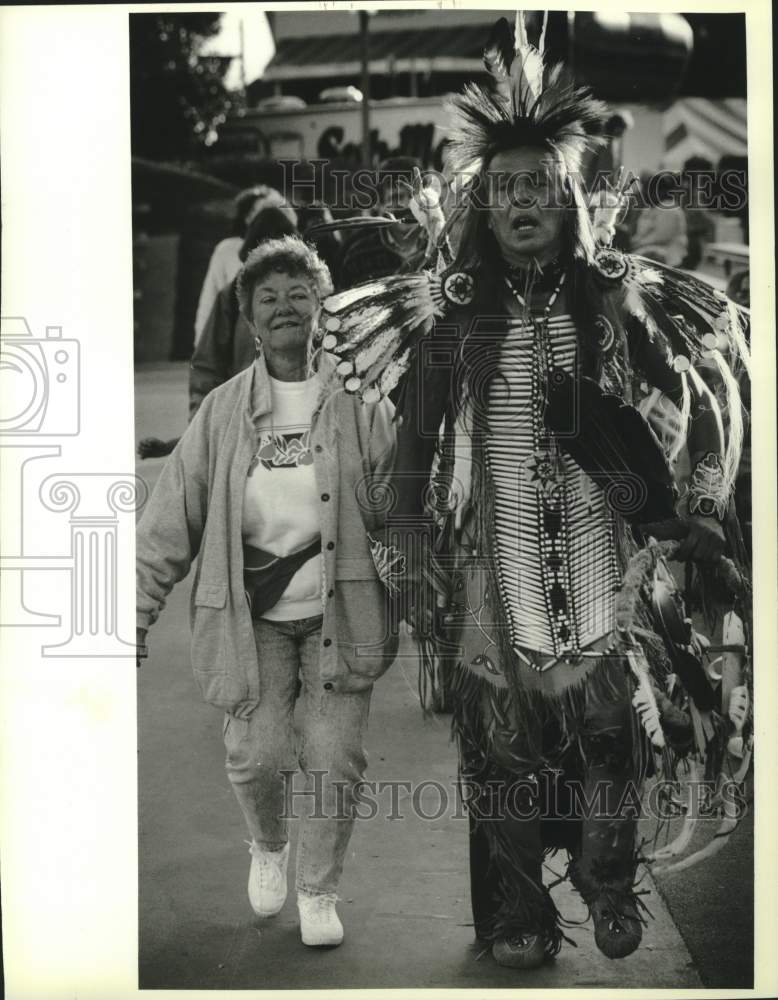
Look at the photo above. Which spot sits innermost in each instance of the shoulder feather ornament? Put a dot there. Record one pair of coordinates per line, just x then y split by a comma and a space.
695, 325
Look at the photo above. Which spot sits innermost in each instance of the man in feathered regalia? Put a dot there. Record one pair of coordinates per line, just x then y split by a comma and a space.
530, 492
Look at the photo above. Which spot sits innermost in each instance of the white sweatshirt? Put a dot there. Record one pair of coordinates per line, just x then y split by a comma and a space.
281, 505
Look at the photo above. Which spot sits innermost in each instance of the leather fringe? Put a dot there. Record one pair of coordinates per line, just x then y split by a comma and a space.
524, 905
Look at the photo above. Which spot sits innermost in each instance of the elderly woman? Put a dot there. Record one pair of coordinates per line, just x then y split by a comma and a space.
271, 487
226, 345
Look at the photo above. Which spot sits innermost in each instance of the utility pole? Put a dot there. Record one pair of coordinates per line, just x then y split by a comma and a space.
242, 58
365, 40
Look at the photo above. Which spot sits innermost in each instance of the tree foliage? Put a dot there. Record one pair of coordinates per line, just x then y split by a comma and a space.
177, 94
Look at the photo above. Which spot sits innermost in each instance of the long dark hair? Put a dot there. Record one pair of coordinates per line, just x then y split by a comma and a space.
482, 324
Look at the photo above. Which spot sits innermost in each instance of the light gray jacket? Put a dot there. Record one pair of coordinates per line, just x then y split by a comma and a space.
196, 509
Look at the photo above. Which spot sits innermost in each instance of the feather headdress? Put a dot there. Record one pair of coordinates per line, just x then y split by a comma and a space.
530, 105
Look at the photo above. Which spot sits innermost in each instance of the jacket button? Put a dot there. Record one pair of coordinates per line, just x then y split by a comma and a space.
330, 545
325, 497
318, 448
328, 686
331, 592
327, 642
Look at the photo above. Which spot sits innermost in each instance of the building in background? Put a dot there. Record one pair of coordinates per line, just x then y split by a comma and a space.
413, 53
679, 75
682, 78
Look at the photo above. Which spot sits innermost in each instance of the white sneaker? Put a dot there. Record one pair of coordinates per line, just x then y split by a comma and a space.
319, 923
267, 879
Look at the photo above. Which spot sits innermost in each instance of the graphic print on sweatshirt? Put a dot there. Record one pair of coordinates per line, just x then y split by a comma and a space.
281, 505
283, 450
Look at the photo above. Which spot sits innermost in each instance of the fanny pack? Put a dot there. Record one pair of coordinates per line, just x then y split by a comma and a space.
266, 577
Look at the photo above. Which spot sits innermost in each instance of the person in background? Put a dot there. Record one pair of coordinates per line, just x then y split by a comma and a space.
328, 245
270, 491
227, 342
732, 187
378, 253
739, 288
225, 260
697, 178
227, 345
601, 167
660, 232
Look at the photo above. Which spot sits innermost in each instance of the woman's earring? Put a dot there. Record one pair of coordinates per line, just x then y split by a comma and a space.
258, 345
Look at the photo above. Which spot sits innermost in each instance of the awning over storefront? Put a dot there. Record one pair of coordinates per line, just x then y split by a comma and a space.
445, 50
694, 126
627, 57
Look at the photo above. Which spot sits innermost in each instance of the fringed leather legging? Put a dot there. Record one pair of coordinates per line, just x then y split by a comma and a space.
537, 782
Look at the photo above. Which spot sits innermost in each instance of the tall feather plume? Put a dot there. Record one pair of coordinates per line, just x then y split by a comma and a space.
527, 66
498, 57
529, 105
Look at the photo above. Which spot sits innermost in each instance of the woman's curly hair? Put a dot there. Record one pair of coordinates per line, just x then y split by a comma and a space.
287, 255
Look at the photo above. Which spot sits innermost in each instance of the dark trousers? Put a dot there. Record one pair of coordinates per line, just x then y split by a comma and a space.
544, 781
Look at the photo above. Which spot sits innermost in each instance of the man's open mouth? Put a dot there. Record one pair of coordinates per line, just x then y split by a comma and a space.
523, 224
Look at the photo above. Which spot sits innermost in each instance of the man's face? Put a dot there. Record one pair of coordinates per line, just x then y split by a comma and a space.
409, 239
526, 210
395, 195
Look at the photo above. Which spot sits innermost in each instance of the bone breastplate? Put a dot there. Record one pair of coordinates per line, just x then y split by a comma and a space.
554, 532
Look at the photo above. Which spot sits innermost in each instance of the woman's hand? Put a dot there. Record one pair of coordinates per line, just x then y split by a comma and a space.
155, 448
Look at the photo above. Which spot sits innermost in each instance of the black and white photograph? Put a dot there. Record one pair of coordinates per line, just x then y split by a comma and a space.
428, 414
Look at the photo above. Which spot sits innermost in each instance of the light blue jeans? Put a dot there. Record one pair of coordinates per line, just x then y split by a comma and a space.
328, 749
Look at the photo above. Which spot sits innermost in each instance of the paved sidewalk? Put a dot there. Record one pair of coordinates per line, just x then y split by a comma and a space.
405, 903
405, 896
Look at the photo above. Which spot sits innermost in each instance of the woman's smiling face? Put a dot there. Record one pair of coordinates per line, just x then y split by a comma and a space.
284, 309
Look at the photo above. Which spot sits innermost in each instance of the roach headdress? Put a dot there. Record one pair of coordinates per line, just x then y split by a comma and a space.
530, 105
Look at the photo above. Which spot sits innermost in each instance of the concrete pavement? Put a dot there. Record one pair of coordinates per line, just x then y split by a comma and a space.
405, 896
404, 893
